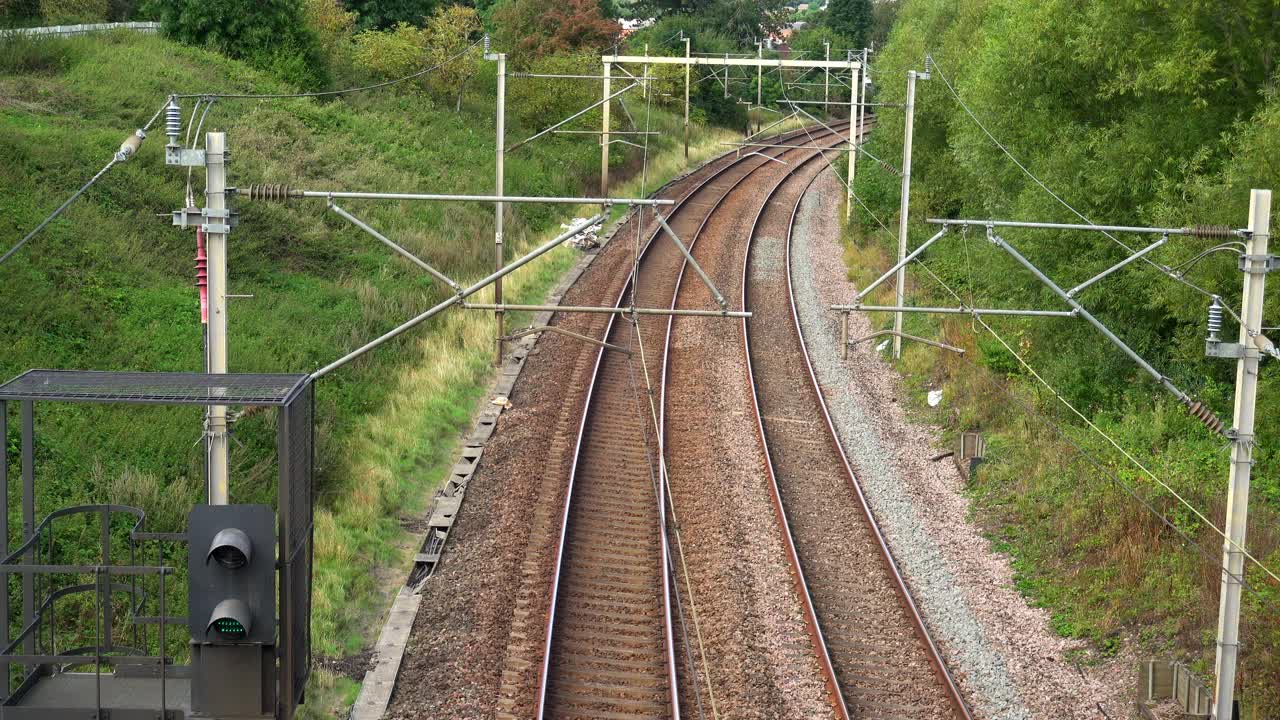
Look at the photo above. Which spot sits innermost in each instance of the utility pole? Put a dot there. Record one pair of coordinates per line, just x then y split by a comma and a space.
855, 121
499, 183
826, 81
760, 75
604, 134
1255, 277
687, 67
218, 224
912, 76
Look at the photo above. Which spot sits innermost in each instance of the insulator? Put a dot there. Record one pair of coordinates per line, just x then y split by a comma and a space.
270, 192
486, 44
928, 64
173, 121
1215, 319
1212, 232
1205, 415
130, 145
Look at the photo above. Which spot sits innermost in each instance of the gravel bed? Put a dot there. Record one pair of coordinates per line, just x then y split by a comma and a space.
760, 660
456, 653
1003, 653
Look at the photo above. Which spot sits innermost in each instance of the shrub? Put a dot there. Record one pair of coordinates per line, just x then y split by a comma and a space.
537, 103
66, 12
331, 23
447, 33
532, 29
263, 32
390, 53
406, 49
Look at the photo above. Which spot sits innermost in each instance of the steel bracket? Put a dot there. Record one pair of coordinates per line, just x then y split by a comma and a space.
211, 221
1267, 263
1224, 349
183, 157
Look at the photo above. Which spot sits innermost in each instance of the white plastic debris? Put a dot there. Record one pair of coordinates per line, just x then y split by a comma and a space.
935, 397
585, 240
882, 346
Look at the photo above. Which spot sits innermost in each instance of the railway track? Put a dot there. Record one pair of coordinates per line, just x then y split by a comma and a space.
609, 636
880, 658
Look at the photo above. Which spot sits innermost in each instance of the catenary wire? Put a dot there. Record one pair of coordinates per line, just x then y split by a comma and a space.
1093, 460
1163, 270
52, 216
67, 203
1168, 488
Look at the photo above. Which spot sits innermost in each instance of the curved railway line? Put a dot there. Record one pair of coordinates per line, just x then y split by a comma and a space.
610, 645
878, 648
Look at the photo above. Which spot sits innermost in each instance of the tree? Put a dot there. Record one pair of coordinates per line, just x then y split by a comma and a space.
448, 32
270, 34
851, 18
530, 29
746, 21
385, 14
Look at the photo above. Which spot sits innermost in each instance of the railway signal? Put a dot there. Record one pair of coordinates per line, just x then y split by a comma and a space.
231, 585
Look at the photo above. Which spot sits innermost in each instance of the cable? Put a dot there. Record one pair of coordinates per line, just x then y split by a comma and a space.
18, 246
330, 93
1168, 488
1163, 270
116, 159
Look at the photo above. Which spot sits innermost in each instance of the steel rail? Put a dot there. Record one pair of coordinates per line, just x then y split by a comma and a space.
679, 284
577, 456
886, 554
837, 702
775, 494
544, 675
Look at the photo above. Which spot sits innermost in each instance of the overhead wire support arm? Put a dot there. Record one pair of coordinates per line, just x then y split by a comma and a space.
706, 279
1095, 322
398, 249
574, 116
1132, 258
457, 299
599, 310
277, 193
952, 311
899, 265
1204, 231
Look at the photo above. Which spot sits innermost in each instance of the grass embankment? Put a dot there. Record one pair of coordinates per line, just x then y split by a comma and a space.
109, 286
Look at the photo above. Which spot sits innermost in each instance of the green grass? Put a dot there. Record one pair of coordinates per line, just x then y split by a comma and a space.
109, 286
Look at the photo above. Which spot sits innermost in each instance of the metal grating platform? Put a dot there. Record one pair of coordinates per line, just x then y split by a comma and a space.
163, 388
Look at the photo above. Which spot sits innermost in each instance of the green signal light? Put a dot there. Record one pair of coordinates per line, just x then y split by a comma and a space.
229, 628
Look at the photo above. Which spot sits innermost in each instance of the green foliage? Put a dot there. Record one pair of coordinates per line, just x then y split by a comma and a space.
746, 21
851, 18
69, 12
390, 53
530, 29
406, 49
536, 103
1171, 126
270, 34
384, 14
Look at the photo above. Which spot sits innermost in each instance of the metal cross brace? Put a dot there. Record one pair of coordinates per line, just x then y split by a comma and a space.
400, 250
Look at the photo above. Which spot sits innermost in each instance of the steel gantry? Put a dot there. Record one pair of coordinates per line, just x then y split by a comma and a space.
850, 64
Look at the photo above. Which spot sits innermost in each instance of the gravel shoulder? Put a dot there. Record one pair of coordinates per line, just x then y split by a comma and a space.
1003, 652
